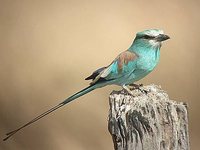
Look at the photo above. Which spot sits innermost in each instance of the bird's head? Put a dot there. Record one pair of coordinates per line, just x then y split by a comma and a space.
150, 38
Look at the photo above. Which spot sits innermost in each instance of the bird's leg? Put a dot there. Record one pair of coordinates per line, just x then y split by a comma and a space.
127, 89
138, 86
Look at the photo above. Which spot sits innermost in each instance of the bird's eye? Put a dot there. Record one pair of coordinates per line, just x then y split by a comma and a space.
148, 37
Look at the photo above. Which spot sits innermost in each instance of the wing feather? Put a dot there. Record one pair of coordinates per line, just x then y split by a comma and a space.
123, 64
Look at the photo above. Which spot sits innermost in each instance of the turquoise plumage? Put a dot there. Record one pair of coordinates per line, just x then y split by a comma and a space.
129, 66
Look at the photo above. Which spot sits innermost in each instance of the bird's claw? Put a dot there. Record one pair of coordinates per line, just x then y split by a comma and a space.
135, 86
144, 91
138, 86
128, 90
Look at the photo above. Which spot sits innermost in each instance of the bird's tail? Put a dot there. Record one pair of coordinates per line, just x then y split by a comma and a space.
69, 99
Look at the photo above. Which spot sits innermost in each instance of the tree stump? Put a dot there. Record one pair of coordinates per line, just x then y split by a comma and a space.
147, 121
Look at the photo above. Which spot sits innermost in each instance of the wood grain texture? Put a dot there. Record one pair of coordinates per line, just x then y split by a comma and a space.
148, 121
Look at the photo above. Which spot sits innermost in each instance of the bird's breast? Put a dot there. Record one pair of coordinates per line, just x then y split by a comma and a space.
149, 61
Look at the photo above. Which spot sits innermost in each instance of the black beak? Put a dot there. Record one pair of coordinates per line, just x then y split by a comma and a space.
162, 37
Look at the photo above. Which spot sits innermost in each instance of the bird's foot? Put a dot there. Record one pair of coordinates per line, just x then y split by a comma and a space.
139, 87
135, 86
127, 90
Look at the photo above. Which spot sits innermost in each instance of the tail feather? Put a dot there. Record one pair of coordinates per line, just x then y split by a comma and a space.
71, 98
78, 94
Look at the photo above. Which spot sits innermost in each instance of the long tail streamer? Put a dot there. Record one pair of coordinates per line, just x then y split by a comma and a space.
73, 97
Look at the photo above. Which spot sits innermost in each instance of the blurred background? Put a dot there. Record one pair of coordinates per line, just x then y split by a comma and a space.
48, 47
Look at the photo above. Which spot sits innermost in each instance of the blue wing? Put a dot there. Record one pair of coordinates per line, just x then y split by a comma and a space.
124, 64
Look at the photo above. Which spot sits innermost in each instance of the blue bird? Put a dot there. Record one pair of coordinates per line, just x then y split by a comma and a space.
128, 67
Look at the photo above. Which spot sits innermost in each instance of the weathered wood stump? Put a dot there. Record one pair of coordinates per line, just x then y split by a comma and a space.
147, 121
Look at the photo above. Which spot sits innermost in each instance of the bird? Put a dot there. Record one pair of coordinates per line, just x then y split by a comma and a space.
128, 67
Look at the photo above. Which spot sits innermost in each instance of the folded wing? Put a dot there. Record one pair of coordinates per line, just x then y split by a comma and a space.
125, 63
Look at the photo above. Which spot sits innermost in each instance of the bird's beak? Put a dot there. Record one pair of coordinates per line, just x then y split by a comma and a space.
162, 37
